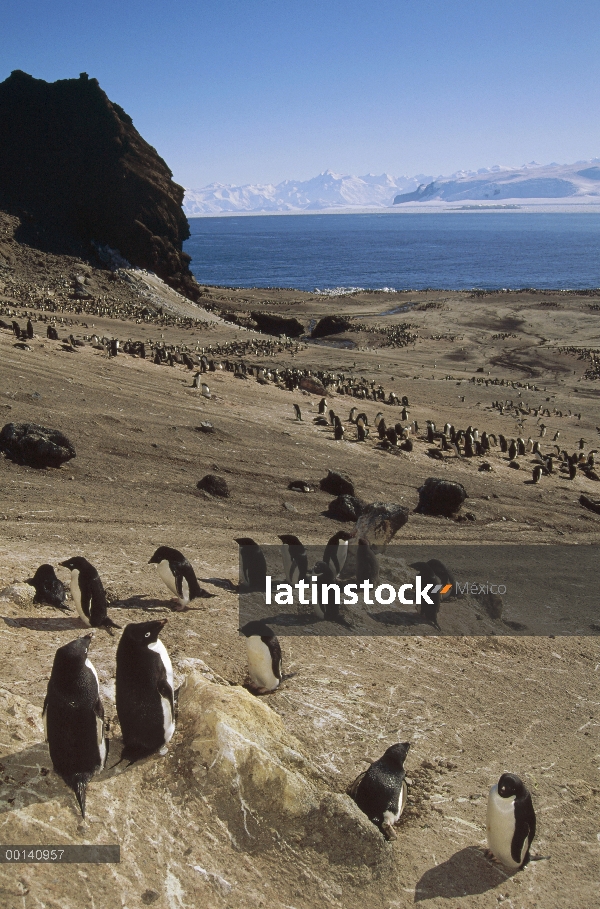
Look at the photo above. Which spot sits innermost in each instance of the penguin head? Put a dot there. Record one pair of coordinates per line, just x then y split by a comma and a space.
69, 660
289, 539
340, 537
244, 541
76, 563
396, 754
324, 573
144, 633
44, 575
510, 785
257, 629
165, 552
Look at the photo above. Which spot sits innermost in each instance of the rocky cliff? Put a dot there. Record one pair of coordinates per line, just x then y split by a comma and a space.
73, 165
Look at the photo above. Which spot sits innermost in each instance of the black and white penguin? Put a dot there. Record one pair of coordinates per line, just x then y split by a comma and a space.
329, 611
336, 552
88, 594
264, 657
177, 573
511, 822
298, 412
144, 691
322, 405
295, 558
429, 611
48, 588
381, 790
253, 565
367, 566
537, 473
338, 431
73, 718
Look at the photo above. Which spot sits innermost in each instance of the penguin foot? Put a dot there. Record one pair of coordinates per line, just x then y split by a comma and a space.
389, 832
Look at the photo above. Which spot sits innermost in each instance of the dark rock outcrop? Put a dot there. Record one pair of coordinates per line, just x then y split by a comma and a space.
35, 446
72, 163
330, 325
336, 483
278, 325
313, 386
379, 522
346, 508
214, 485
440, 497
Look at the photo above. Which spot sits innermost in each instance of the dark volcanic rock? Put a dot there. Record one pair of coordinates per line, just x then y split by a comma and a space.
440, 497
214, 485
338, 484
330, 325
380, 522
36, 446
346, 508
72, 162
278, 325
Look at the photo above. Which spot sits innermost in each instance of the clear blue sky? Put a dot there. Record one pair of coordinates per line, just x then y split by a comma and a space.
241, 91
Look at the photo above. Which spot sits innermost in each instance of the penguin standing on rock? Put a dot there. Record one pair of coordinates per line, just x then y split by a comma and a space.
511, 822
177, 573
144, 691
264, 657
380, 792
88, 594
48, 588
73, 718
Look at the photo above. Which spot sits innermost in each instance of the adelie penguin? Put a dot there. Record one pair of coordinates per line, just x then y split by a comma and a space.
48, 588
336, 552
264, 657
73, 718
88, 594
178, 575
253, 565
511, 822
144, 691
380, 792
295, 558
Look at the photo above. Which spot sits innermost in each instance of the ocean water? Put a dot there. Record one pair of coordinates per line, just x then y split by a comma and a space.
453, 250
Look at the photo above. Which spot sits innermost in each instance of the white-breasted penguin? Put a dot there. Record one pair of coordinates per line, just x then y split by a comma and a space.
380, 792
144, 690
295, 558
88, 594
511, 822
264, 657
73, 718
336, 552
178, 575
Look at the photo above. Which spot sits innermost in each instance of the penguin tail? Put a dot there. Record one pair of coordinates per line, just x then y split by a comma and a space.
79, 788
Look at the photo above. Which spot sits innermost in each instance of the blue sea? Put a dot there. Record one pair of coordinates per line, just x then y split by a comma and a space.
453, 250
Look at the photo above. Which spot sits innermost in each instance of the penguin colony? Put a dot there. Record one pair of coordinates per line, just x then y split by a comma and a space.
73, 713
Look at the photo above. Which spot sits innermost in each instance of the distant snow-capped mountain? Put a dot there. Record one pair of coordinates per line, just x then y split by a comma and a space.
580, 181
328, 190
577, 182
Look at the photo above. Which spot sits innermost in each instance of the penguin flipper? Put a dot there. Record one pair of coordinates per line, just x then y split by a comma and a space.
45, 718
79, 787
353, 787
165, 690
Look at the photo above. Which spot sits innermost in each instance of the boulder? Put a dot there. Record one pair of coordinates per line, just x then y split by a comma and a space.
337, 484
331, 325
278, 325
312, 385
346, 508
259, 782
440, 497
380, 522
36, 446
214, 485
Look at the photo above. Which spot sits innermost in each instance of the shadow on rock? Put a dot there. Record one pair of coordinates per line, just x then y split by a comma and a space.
465, 873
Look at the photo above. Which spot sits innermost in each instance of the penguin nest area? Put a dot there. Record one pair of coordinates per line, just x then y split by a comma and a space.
472, 708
